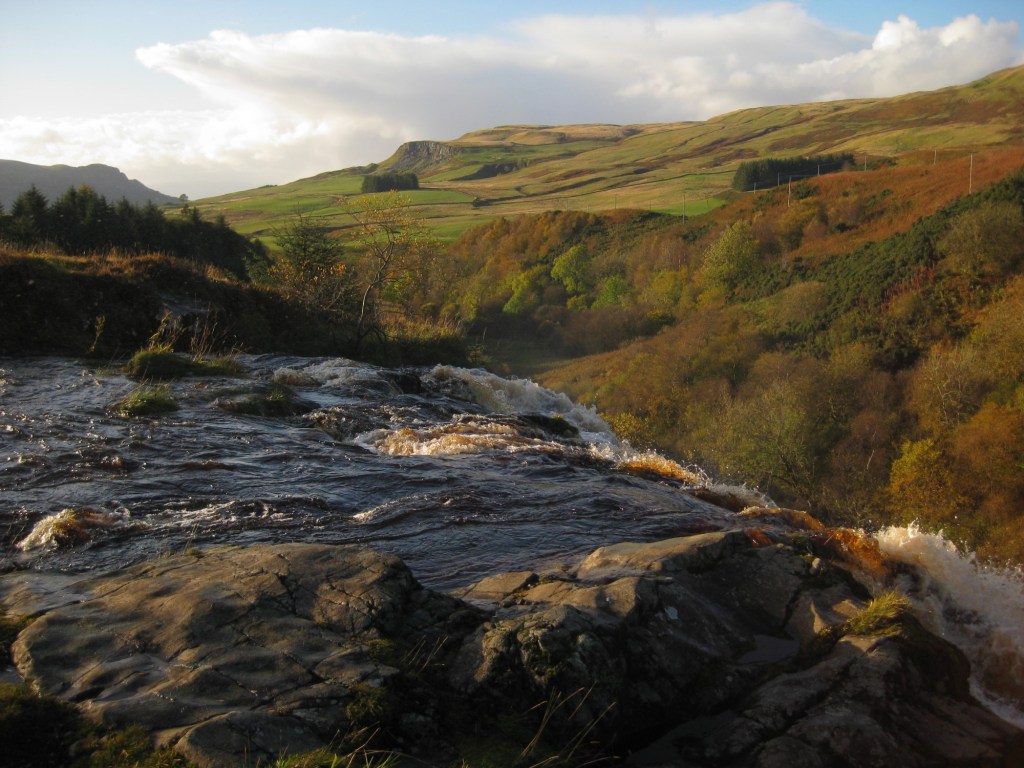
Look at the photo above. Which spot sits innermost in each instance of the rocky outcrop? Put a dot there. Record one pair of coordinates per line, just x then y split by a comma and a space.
418, 156
729, 648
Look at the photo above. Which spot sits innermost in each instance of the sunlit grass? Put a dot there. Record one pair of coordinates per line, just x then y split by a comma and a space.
146, 401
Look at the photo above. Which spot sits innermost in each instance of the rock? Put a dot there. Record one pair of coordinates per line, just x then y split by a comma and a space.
235, 653
731, 648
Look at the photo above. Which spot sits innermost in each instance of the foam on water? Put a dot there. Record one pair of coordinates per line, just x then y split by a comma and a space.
454, 439
978, 608
333, 372
72, 526
520, 396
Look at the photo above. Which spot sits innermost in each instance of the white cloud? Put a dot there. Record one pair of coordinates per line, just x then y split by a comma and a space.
282, 106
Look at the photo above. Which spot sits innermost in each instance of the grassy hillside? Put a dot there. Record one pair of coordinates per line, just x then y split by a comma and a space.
661, 167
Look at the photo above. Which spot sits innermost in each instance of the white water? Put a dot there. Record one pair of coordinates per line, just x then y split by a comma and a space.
978, 608
524, 396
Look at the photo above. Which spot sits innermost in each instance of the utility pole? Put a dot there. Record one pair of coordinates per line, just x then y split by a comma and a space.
789, 193
684, 205
970, 182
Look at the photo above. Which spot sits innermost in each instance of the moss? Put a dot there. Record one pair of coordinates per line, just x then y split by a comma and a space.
146, 401
45, 731
223, 365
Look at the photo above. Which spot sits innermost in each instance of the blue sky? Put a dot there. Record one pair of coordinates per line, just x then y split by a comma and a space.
209, 96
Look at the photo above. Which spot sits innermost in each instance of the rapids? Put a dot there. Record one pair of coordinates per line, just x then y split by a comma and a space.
460, 472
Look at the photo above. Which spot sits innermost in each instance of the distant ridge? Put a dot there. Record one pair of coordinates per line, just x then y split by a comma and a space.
54, 180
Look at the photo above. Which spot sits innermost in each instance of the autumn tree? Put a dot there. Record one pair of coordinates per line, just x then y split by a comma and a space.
310, 269
988, 239
394, 260
729, 260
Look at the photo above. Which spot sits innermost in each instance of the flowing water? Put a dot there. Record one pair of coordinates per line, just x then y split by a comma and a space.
459, 472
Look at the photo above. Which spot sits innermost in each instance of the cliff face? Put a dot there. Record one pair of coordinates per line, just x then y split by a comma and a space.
729, 648
417, 156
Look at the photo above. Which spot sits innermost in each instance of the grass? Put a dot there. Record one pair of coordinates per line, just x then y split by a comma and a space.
328, 758
881, 616
884, 615
146, 401
162, 363
595, 167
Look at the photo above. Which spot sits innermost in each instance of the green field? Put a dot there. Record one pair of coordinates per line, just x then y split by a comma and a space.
660, 167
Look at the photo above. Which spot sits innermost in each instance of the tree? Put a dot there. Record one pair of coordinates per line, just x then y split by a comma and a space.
730, 259
29, 217
395, 257
572, 268
387, 182
985, 240
310, 269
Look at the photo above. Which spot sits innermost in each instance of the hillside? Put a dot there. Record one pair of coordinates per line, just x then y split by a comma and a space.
54, 180
674, 168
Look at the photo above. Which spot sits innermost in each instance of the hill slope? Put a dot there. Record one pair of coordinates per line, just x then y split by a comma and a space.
684, 167
53, 180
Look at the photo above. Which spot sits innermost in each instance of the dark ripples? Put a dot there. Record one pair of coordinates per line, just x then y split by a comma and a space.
202, 476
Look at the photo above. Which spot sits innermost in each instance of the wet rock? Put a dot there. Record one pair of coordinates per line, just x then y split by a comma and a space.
719, 649
234, 654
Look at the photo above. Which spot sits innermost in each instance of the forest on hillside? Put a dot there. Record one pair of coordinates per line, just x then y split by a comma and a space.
868, 380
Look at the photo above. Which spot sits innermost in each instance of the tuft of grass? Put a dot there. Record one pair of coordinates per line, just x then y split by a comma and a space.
275, 400
887, 614
160, 363
881, 616
146, 401
328, 758
163, 363
129, 747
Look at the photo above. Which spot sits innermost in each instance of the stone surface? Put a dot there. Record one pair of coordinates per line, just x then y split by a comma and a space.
719, 649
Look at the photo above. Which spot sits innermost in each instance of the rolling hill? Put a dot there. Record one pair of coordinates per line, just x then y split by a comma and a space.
676, 168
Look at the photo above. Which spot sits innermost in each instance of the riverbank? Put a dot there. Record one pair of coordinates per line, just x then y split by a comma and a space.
756, 645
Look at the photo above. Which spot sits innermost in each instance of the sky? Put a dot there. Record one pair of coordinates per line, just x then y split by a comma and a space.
205, 97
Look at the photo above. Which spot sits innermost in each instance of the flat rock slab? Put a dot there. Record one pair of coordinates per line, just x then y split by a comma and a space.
226, 652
